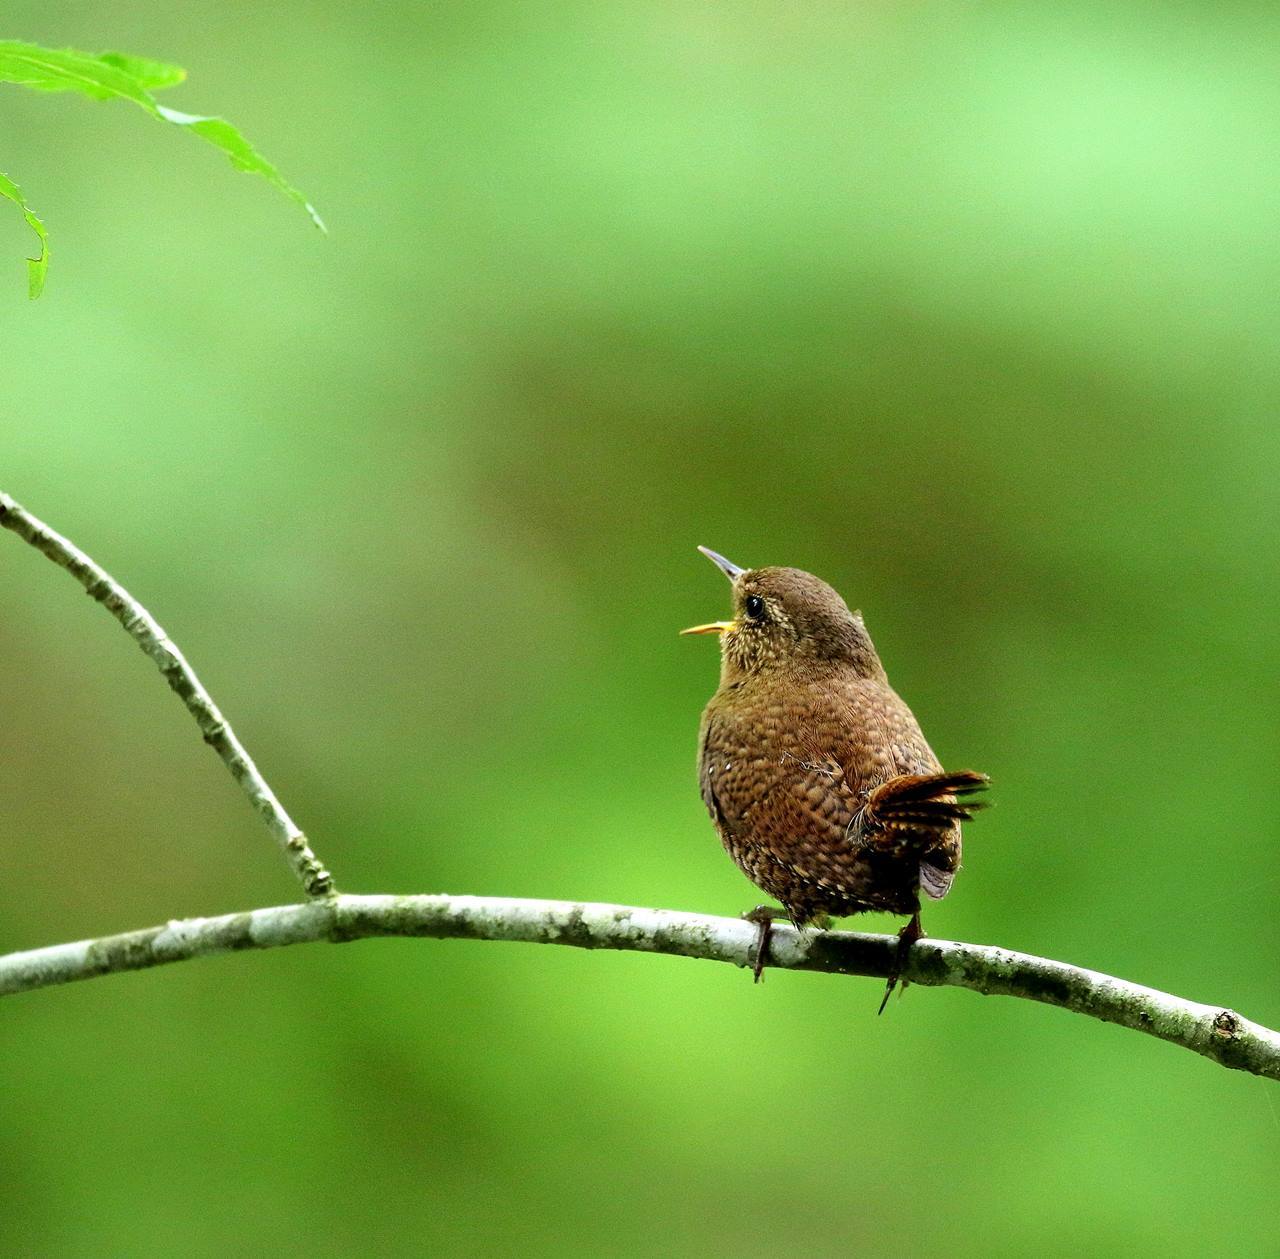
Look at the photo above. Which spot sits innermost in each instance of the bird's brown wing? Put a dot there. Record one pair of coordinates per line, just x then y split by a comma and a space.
905, 805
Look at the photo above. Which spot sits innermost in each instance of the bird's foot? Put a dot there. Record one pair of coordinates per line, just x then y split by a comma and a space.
906, 938
763, 916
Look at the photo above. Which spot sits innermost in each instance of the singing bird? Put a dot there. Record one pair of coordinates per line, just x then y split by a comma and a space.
814, 771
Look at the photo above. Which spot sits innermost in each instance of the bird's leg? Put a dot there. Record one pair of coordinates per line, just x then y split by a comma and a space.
763, 916
906, 938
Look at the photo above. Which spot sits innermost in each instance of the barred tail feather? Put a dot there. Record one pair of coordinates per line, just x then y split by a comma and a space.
926, 801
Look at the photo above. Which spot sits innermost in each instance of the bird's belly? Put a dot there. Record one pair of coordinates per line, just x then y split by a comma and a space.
813, 877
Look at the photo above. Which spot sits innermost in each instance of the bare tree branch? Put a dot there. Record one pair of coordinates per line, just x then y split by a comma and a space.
1216, 1033
146, 632
1210, 1030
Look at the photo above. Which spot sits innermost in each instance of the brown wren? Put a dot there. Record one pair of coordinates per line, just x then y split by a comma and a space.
814, 771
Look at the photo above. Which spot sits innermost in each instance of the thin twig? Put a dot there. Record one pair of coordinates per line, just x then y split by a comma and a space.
1211, 1030
146, 632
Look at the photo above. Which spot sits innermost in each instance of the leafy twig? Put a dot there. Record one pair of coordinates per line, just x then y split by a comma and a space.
102, 76
146, 632
1217, 1033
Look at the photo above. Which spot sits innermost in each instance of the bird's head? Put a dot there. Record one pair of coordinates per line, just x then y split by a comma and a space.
787, 618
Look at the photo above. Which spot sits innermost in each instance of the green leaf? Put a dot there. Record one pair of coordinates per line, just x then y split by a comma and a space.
221, 134
66, 70
153, 75
38, 266
113, 74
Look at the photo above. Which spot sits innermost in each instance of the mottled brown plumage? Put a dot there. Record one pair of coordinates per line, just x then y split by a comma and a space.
814, 771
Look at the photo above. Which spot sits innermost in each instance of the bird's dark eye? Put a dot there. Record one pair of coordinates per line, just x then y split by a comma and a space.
755, 607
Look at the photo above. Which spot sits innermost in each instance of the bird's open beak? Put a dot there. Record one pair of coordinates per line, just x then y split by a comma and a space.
715, 627
732, 572
727, 567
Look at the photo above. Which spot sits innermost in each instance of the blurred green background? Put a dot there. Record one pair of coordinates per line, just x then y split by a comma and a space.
971, 309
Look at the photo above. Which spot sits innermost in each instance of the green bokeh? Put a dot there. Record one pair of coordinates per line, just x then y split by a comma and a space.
971, 309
